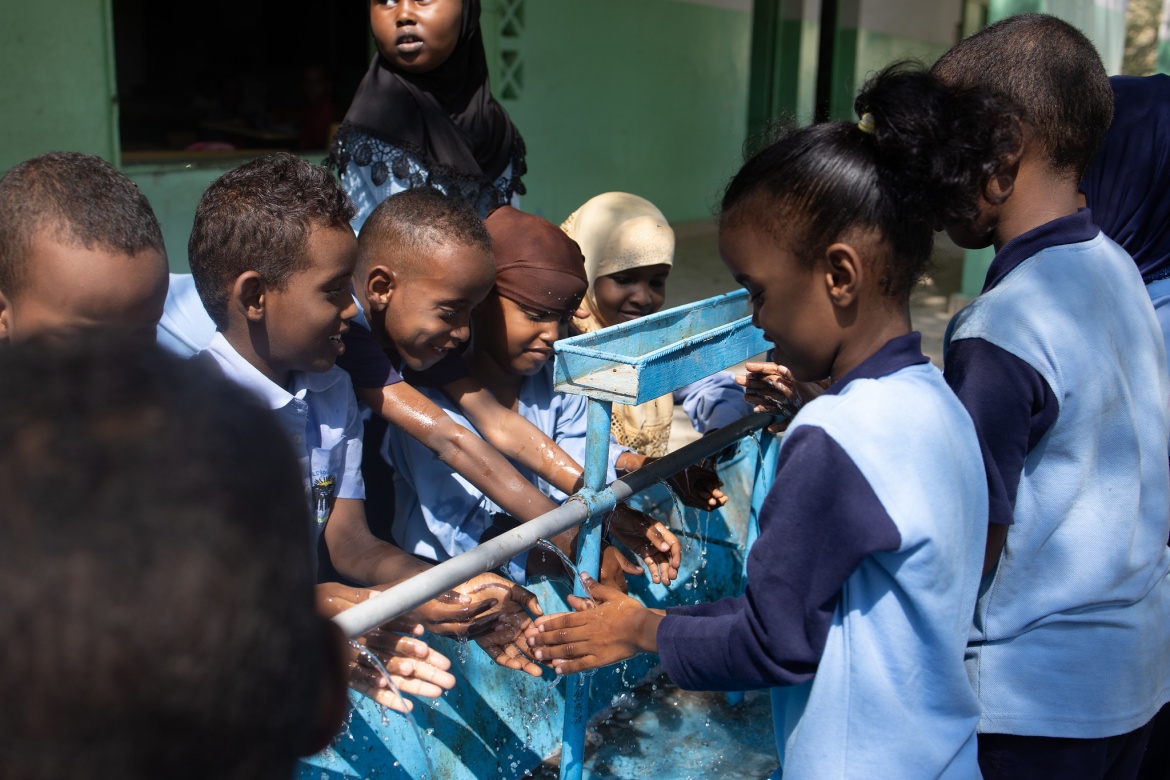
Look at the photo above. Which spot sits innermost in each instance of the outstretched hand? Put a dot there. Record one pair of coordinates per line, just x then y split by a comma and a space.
772, 388
456, 615
504, 642
413, 666
650, 540
608, 629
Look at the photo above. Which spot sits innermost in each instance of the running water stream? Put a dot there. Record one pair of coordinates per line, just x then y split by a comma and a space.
372, 658
545, 544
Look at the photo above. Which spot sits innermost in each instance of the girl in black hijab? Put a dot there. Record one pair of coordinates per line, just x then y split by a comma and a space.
424, 114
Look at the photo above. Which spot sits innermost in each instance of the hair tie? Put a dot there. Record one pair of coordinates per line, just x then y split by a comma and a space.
866, 124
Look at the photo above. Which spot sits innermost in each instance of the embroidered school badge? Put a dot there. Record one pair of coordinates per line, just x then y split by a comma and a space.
324, 483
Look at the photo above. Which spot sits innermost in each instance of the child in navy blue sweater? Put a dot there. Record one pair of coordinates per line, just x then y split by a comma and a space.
865, 574
1061, 364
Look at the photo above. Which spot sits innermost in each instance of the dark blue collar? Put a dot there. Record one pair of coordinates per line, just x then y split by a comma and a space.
895, 354
1072, 229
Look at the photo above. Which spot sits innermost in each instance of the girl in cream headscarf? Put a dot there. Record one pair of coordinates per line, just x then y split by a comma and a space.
629, 250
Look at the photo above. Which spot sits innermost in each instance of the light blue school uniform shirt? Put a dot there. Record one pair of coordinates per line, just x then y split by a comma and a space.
319, 414
861, 584
438, 513
185, 327
1071, 636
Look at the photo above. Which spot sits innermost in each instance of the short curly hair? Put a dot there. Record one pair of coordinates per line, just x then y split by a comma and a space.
80, 200
258, 217
1051, 71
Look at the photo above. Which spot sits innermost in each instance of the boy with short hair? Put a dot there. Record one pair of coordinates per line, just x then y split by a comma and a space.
271, 254
1061, 365
79, 248
144, 635
538, 285
424, 262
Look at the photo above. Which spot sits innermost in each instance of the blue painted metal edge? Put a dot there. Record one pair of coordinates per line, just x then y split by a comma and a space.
604, 374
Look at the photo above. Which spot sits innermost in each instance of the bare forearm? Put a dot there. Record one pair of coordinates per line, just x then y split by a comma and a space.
467, 454
526, 444
491, 473
643, 629
375, 562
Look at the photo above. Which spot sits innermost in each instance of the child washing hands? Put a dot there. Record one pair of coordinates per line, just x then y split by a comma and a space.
868, 563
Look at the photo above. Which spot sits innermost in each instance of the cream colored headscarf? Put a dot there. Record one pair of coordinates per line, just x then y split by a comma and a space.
618, 231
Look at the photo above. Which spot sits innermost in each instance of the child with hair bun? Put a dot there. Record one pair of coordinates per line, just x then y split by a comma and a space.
863, 580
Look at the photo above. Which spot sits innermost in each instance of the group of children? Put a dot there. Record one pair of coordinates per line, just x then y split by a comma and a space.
957, 573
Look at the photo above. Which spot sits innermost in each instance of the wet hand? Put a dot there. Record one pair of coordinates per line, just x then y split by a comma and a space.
772, 388
504, 642
698, 486
457, 615
615, 567
608, 629
650, 540
413, 666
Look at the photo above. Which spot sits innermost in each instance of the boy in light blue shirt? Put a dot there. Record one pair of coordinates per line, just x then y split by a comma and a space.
1061, 364
271, 255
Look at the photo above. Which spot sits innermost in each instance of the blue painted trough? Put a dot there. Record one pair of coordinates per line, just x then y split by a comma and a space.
498, 723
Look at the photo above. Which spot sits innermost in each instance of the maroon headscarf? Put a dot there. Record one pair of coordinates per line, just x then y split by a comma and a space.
537, 265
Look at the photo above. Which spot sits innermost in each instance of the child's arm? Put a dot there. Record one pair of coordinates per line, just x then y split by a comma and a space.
696, 486
811, 542
1012, 407
360, 556
515, 436
481, 464
522, 441
487, 608
772, 388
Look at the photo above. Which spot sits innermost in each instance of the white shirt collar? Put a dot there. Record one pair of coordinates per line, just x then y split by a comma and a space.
240, 371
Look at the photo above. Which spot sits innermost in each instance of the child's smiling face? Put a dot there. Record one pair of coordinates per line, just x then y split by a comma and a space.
305, 318
416, 36
630, 294
428, 311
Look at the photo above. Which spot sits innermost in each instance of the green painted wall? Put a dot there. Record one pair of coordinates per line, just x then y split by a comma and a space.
783, 71
57, 87
174, 190
874, 33
1104, 24
648, 96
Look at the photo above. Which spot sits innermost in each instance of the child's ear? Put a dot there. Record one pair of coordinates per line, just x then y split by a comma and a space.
843, 274
1000, 185
248, 296
332, 701
380, 285
5, 317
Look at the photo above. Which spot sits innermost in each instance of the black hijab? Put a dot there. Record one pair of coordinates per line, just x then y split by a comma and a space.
446, 118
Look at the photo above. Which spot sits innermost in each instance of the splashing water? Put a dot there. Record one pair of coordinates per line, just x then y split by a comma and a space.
372, 658
569, 566
680, 511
